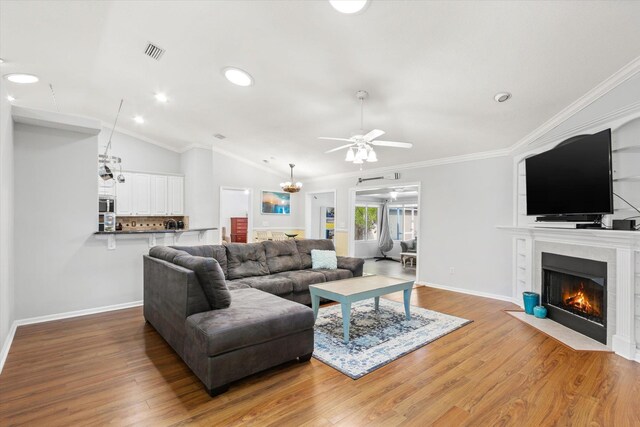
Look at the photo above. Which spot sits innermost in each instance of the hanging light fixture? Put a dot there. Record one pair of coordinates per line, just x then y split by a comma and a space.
372, 157
350, 156
290, 186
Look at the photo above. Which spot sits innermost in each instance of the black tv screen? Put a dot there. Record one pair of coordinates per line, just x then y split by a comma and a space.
573, 178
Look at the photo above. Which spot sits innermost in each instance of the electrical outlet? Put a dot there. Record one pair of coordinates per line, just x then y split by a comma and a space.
452, 270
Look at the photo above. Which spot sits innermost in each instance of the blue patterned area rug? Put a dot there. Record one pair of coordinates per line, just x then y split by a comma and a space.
376, 338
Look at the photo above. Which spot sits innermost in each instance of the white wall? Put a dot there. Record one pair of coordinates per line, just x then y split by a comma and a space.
200, 195
231, 172
6, 219
461, 205
140, 156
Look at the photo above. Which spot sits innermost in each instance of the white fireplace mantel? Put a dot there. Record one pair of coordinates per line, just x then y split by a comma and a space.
625, 336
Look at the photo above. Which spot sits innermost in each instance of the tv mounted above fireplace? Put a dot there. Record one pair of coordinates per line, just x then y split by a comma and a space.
574, 178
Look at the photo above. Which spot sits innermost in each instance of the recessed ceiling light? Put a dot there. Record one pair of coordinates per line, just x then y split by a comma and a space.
21, 78
348, 6
138, 119
237, 76
502, 96
10, 98
161, 97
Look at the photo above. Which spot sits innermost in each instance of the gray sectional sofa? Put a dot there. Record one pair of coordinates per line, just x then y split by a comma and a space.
233, 310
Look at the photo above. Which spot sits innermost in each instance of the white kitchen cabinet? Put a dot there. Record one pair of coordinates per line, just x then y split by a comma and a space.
141, 194
176, 195
159, 190
124, 195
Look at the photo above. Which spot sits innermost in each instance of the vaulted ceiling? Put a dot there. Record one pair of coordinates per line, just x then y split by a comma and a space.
431, 68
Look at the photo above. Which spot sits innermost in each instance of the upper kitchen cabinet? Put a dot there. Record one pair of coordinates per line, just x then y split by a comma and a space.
176, 195
150, 194
124, 195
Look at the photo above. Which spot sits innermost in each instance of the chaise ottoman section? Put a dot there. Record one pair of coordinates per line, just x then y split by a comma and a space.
256, 332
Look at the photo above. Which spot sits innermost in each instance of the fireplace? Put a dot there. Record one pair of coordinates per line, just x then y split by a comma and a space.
574, 291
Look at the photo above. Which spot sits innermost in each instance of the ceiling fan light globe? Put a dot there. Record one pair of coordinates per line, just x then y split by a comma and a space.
350, 156
372, 157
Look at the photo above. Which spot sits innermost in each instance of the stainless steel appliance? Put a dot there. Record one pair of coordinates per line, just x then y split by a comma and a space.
106, 204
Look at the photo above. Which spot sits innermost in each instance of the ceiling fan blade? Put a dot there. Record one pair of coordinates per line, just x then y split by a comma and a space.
335, 139
339, 148
376, 133
392, 144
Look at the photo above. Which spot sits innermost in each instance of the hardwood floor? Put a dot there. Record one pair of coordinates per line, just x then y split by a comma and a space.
114, 368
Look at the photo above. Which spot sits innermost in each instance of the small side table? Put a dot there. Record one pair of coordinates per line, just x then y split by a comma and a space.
412, 257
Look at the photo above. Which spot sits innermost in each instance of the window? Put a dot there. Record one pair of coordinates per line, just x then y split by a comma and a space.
403, 221
366, 222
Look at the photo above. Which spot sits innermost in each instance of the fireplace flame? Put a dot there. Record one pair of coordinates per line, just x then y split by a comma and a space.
579, 301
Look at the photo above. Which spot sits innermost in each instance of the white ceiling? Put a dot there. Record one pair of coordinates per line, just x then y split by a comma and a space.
431, 68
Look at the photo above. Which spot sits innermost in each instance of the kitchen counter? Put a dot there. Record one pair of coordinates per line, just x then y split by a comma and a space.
173, 235
156, 231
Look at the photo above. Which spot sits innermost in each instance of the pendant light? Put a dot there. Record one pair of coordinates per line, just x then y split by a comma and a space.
289, 186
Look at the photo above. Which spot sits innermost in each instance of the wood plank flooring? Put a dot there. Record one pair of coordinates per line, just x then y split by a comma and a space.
112, 368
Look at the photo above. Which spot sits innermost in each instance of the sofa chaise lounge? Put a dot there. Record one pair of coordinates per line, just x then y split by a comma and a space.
230, 311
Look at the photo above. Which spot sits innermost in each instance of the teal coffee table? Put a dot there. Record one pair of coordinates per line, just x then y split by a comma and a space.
357, 289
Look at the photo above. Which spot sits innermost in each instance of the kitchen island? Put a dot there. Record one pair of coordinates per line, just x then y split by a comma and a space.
152, 235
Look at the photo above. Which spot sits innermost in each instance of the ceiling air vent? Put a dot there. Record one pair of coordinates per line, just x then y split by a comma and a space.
219, 136
154, 51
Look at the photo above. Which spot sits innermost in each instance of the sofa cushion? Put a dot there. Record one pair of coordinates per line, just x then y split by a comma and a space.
236, 284
271, 284
209, 251
302, 278
282, 255
323, 259
246, 260
254, 317
210, 276
335, 274
165, 253
306, 245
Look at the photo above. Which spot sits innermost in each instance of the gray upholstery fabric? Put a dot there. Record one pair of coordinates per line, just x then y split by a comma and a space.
337, 274
282, 255
246, 260
209, 251
236, 284
409, 245
355, 265
306, 245
302, 278
254, 317
210, 276
165, 253
272, 284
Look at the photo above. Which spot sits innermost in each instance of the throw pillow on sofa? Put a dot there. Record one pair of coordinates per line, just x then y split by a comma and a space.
210, 276
323, 259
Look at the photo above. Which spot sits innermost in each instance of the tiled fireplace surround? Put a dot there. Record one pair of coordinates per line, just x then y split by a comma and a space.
619, 249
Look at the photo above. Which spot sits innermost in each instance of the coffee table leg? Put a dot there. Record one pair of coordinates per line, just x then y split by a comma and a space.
376, 303
346, 319
407, 300
315, 303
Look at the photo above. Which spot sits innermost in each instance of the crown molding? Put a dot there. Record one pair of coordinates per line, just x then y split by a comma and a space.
619, 77
196, 145
418, 165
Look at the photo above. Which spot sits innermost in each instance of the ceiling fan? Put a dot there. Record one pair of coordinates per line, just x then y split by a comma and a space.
360, 147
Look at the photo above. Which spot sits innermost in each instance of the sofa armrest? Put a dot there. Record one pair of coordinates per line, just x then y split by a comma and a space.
356, 265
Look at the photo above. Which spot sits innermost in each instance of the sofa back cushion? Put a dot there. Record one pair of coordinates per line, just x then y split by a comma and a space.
246, 260
210, 276
208, 251
166, 253
282, 256
306, 245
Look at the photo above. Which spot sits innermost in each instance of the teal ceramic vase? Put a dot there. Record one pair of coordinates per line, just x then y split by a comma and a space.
531, 299
540, 311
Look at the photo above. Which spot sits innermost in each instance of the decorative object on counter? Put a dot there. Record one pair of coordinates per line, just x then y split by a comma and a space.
180, 225
289, 186
170, 224
540, 311
119, 227
291, 236
109, 221
106, 159
531, 299
276, 203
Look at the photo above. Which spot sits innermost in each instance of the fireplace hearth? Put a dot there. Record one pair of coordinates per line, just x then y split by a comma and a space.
574, 291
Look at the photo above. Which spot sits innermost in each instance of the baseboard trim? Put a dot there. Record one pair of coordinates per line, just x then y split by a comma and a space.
468, 292
59, 316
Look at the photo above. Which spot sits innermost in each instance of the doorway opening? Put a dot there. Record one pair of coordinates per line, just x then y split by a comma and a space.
384, 225
236, 215
320, 215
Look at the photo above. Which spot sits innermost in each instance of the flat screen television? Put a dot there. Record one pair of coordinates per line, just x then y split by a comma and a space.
573, 178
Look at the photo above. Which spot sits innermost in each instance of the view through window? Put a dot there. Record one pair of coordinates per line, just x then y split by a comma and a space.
403, 221
366, 222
